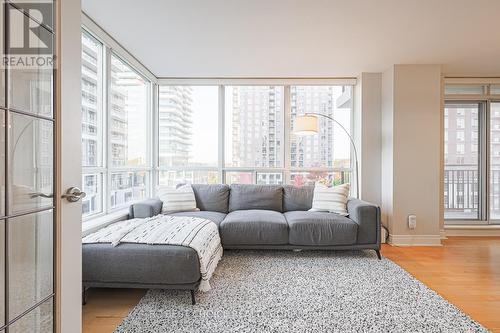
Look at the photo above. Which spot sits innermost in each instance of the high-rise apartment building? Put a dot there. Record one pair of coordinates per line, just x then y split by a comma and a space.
90, 100
174, 125
91, 117
314, 151
257, 126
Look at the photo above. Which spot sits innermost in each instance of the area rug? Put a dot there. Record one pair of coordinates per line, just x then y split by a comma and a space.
284, 291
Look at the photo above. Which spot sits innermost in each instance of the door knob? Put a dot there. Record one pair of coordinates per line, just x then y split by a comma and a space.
73, 194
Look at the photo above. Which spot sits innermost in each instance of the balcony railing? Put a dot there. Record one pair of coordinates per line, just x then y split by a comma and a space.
461, 192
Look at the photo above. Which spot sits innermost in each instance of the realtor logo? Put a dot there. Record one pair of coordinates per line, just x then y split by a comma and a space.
30, 39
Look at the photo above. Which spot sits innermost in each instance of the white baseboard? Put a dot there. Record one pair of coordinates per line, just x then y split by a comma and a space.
472, 230
415, 240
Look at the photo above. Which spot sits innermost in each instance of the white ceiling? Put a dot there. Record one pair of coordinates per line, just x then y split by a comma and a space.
303, 38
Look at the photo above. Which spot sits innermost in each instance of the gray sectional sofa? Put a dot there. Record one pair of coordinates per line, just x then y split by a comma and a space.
248, 217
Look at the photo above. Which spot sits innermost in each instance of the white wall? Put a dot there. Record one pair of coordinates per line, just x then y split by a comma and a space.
368, 135
387, 146
411, 104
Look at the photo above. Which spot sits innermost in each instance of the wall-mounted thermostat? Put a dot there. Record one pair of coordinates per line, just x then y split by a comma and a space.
412, 221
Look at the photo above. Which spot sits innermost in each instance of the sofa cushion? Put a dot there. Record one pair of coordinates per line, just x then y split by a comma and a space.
266, 197
330, 199
297, 198
254, 227
320, 228
214, 198
139, 263
215, 217
177, 199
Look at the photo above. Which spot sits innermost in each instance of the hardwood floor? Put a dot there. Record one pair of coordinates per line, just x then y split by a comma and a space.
465, 271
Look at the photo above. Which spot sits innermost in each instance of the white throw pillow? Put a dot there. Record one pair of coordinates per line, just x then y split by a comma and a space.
330, 199
179, 199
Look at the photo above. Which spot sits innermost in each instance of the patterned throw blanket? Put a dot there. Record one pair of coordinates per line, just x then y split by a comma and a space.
201, 235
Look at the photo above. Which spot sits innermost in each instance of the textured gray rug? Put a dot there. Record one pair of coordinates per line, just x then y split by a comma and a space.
274, 291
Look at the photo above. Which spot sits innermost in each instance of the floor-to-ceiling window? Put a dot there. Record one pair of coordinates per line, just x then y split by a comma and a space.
462, 164
140, 133
325, 157
188, 128
129, 134
254, 134
471, 177
234, 133
494, 158
116, 130
92, 124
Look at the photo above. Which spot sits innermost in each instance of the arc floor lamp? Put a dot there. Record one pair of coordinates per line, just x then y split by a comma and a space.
308, 125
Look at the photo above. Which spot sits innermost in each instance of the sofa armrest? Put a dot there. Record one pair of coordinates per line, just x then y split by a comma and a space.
367, 216
146, 208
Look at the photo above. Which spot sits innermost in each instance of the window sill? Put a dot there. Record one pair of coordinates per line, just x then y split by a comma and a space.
97, 223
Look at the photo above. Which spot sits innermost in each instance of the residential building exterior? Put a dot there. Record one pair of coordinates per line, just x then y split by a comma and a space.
91, 119
174, 125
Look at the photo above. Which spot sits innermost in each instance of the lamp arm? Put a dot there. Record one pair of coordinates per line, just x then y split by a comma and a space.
350, 139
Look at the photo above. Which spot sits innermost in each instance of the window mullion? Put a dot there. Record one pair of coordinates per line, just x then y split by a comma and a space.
107, 87
154, 178
221, 134
484, 129
287, 135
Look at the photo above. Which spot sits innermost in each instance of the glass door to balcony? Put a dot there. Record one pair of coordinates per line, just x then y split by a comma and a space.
494, 162
462, 166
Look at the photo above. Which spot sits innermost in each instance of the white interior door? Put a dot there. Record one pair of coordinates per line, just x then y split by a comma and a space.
68, 143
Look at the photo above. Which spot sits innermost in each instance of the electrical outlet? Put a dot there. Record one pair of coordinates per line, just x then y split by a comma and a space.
412, 221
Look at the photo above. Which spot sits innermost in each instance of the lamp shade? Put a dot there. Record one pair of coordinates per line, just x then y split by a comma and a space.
305, 125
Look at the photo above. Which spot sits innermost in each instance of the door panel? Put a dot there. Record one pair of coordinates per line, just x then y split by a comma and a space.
2, 49
2, 163
31, 163
26, 172
30, 89
40, 320
30, 261
462, 164
2, 273
494, 161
